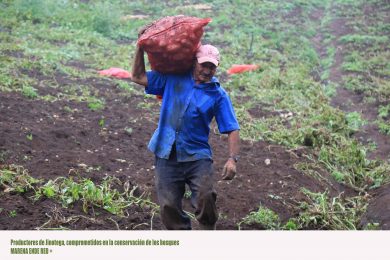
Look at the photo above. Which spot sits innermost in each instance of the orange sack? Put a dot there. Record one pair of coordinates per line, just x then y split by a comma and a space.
172, 41
234, 69
120, 74
116, 72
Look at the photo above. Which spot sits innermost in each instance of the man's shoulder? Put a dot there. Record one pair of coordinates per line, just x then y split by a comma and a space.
218, 84
183, 76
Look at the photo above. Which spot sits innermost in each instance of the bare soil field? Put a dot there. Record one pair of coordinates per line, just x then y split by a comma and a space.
68, 139
65, 141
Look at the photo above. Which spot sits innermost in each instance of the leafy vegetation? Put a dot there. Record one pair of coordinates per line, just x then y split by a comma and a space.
16, 179
322, 212
68, 191
43, 39
263, 216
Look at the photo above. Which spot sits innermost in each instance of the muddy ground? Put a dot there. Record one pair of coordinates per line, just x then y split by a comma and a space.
63, 139
350, 101
67, 139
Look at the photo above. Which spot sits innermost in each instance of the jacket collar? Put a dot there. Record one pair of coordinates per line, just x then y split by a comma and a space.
213, 84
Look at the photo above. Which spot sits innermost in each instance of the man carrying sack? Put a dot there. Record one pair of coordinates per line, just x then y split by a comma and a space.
180, 143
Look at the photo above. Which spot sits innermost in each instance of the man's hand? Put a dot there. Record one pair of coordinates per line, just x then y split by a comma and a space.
229, 170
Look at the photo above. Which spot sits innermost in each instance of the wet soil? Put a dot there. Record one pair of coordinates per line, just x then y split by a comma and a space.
350, 101
67, 140
379, 208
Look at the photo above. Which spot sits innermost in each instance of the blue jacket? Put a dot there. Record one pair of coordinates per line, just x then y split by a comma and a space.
186, 112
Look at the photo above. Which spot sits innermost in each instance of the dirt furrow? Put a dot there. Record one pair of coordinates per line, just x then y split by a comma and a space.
350, 101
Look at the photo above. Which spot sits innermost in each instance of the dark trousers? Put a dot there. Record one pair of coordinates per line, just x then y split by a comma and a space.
171, 178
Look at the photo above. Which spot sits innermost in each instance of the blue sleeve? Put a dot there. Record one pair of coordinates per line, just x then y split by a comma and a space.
156, 83
225, 116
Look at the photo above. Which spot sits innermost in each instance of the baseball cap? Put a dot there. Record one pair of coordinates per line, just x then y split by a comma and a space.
208, 53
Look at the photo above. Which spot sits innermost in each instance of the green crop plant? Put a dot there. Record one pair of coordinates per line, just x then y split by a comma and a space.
146, 104
383, 88
65, 190
329, 89
12, 213
363, 40
354, 62
68, 191
14, 178
351, 166
95, 104
357, 84
378, 63
290, 225
264, 216
49, 189
322, 212
354, 121
128, 88
327, 62
369, 100
101, 122
384, 126
384, 111
372, 226
313, 170
29, 92
29, 137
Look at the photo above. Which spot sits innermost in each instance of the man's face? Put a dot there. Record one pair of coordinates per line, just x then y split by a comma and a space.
203, 72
